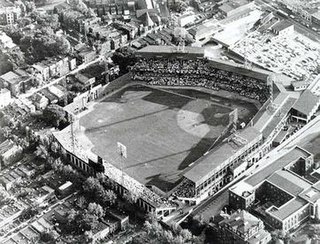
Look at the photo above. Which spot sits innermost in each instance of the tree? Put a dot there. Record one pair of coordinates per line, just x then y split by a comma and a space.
96, 209
124, 57
49, 20
22, 22
16, 58
186, 235
48, 236
151, 217
95, 191
30, 6
28, 213
108, 198
42, 152
54, 114
87, 221
82, 202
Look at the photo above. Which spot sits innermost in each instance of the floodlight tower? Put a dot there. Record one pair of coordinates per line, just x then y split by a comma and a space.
72, 132
271, 80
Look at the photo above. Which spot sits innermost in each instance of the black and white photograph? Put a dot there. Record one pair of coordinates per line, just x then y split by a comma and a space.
159, 121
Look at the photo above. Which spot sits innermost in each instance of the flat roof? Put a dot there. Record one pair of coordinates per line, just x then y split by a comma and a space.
289, 157
311, 195
288, 182
288, 208
232, 5
278, 117
282, 135
204, 167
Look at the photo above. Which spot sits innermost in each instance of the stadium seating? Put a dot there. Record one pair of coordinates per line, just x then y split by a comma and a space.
179, 72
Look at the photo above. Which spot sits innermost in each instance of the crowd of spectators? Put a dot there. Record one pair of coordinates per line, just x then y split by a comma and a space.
179, 72
186, 189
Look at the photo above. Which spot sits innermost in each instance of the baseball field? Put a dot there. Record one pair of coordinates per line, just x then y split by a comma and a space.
164, 131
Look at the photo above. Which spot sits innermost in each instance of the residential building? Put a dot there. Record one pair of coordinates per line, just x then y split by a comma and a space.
65, 189
54, 67
85, 81
5, 97
40, 101
242, 227
86, 55
9, 152
10, 212
9, 12
17, 82
121, 217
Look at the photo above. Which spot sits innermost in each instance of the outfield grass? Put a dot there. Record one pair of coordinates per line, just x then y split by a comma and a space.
164, 131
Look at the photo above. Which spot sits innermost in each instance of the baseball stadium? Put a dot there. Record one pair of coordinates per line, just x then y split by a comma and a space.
182, 127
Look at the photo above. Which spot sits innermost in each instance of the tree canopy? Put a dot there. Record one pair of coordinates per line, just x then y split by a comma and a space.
55, 115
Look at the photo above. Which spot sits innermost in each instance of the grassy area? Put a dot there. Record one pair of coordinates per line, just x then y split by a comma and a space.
164, 131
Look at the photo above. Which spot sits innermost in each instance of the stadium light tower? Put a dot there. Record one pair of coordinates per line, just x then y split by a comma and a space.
270, 81
122, 150
73, 120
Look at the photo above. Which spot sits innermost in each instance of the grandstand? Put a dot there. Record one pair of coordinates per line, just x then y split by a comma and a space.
179, 70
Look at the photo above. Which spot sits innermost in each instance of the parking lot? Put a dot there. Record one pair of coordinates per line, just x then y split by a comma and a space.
294, 55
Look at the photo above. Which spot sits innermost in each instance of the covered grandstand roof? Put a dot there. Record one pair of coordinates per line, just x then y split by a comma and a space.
166, 51
270, 119
206, 165
256, 73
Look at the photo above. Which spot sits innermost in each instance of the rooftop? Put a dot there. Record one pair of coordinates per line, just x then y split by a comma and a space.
289, 157
288, 182
208, 163
241, 221
307, 102
232, 5
288, 208
311, 195
155, 50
